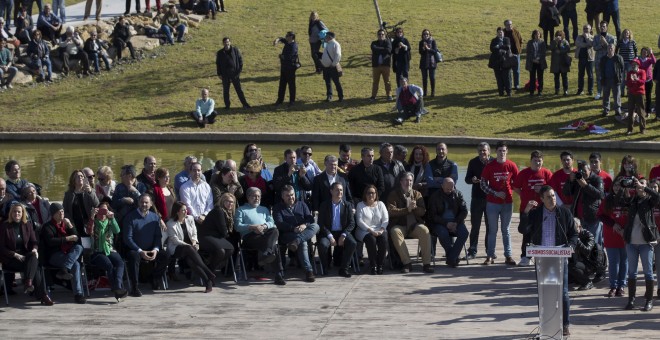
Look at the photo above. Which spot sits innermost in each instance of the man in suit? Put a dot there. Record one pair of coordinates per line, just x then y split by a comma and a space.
296, 226
142, 238
551, 225
337, 221
322, 183
292, 174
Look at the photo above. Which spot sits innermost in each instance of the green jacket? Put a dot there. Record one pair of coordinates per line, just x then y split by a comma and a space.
104, 232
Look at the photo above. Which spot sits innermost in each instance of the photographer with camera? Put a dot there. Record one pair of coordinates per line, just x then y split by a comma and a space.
587, 190
292, 174
627, 173
640, 236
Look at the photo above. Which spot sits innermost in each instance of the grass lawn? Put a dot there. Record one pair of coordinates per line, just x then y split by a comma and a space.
157, 94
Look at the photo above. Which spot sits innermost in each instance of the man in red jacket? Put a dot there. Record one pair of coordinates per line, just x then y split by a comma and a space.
635, 80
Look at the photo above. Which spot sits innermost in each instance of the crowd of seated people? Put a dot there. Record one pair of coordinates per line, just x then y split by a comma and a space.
145, 224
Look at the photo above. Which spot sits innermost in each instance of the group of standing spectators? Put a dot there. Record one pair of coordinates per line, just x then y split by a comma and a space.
614, 59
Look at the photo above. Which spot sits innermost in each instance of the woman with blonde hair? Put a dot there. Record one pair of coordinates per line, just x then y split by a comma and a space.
217, 235
315, 41
18, 251
253, 178
105, 185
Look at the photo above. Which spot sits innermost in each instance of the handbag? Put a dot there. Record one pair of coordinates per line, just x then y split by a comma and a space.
438, 56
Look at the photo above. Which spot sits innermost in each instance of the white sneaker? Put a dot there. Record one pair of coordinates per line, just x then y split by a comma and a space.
597, 96
524, 262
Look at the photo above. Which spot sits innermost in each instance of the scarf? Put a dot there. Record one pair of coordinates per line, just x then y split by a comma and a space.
229, 220
60, 228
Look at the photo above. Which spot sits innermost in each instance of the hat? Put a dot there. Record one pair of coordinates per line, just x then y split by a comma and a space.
55, 208
636, 61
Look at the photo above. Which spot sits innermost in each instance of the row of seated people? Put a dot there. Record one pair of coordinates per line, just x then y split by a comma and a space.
200, 198
142, 236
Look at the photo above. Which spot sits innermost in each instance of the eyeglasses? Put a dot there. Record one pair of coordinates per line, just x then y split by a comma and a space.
307, 154
381, 33
91, 177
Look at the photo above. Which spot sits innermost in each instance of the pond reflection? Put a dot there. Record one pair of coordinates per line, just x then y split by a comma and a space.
50, 164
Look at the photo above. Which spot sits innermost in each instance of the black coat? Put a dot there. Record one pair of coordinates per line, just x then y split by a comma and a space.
321, 189
52, 241
229, 64
381, 48
643, 206
346, 217
360, 176
498, 49
281, 178
455, 202
565, 232
214, 225
592, 194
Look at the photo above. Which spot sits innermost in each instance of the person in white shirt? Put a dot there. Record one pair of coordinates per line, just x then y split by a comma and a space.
372, 219
196, 194
331, 67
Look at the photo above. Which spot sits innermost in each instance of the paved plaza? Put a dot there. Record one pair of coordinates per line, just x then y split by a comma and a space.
470, 302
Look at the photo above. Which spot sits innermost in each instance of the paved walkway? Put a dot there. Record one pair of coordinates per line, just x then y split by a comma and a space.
469, 302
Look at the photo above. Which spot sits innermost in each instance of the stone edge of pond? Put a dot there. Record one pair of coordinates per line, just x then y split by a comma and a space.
299, 137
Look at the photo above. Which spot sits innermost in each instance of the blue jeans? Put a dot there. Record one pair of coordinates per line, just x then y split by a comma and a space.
5, 11
70, 262
617, 259
59, 9
496, 213
302, 237
515, 73
452, 248
39, 64
595, 228
12, 71
167, 30
635, 253
566, 298
611, 85
113, 266
94, 57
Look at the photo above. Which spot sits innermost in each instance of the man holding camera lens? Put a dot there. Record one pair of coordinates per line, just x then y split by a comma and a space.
587, 190
292, 174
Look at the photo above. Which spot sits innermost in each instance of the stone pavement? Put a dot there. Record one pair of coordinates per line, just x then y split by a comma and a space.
469, 302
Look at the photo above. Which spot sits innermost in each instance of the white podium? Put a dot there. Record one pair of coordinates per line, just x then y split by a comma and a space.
550, 280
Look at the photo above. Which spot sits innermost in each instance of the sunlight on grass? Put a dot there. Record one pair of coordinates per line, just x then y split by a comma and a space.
156, 94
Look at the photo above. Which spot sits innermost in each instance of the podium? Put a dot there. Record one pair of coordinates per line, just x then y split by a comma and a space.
550, 279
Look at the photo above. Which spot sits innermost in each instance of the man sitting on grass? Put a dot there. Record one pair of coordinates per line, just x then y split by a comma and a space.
409, 102
204, 110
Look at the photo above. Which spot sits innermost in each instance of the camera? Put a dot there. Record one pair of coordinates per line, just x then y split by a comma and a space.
579, 175
627, 182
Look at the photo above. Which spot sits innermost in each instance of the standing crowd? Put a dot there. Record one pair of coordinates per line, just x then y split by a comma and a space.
615, 60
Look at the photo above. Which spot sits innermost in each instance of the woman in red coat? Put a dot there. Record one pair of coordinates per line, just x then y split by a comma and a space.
615, 217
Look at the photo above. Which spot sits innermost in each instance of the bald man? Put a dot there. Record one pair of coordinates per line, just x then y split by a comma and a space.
447, 213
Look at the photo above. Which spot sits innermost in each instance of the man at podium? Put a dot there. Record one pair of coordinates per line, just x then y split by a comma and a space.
551, 225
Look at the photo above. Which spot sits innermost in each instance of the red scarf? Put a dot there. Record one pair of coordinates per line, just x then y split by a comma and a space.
61, 232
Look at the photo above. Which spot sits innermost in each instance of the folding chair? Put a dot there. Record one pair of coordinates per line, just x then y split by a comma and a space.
4, 283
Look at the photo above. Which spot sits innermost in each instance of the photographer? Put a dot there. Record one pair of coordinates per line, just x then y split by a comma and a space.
588, 263
641, 235
292, 174
587, 190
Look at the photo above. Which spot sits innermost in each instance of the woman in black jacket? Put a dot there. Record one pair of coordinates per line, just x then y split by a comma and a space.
640, 236
217, 231
428, 50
